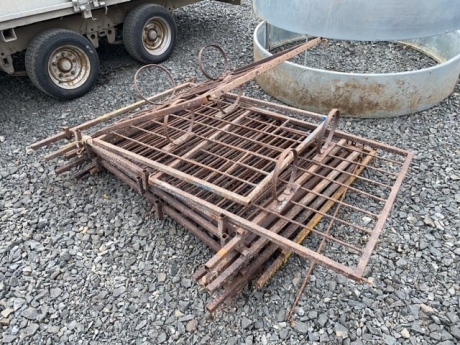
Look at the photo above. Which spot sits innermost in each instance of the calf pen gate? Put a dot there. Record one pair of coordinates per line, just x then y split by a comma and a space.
253, 180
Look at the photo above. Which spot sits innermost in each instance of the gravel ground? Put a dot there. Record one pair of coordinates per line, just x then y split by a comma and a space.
82, 262
354, 57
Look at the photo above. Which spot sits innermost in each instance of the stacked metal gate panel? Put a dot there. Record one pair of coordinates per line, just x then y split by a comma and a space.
255, 181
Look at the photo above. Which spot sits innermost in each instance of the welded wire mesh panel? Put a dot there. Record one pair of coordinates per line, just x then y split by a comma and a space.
334, 218
230, 154
247, 177
327, 205
254, 183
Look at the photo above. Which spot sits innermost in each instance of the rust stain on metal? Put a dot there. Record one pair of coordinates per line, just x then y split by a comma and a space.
248, 178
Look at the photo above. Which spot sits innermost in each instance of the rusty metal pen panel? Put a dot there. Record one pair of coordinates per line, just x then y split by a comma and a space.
255, 181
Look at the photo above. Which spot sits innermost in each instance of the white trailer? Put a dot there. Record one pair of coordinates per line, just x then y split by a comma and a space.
60, 37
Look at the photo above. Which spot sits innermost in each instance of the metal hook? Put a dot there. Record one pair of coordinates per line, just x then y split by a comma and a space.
333, 114
291, 185
222, 112
184, 137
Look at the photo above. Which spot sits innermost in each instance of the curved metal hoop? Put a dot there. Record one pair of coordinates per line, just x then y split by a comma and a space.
200, 61
162, 68
182, 138
232, 107
333, 114
290, 187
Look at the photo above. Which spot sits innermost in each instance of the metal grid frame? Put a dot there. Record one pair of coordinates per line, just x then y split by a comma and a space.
306, 200
247, 235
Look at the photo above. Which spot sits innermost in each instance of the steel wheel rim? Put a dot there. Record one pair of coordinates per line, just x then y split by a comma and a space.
69, 67
156, 36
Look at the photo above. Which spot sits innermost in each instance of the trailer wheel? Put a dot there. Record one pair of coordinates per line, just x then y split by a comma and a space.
149, 33
62, 63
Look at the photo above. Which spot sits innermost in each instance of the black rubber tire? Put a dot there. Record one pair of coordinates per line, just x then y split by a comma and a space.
133, 33
37, 61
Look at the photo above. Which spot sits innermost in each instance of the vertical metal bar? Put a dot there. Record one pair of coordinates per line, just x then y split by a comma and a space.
222, 229
158, 209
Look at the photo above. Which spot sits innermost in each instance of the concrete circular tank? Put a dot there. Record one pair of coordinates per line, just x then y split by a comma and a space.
363, 20
361, 95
